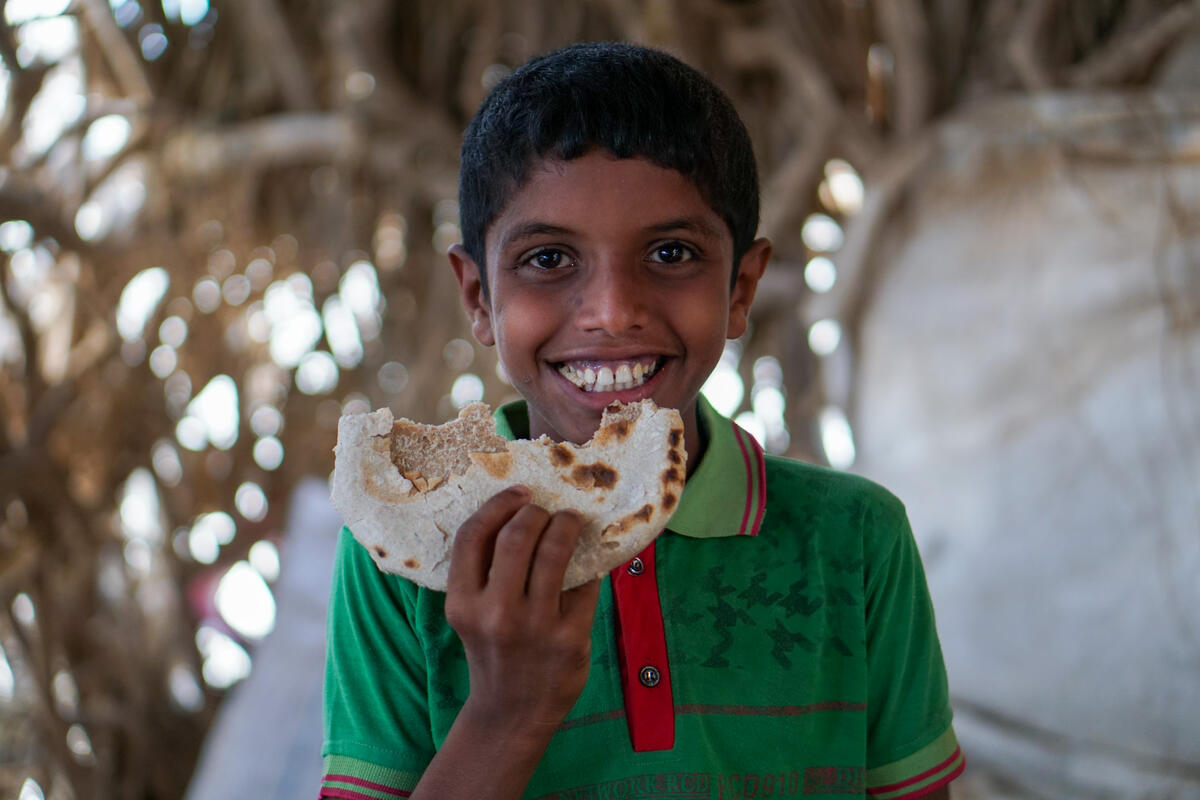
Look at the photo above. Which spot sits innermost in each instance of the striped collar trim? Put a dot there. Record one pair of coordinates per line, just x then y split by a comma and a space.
725, 496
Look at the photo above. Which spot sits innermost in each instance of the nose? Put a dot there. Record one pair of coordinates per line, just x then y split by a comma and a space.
613, 300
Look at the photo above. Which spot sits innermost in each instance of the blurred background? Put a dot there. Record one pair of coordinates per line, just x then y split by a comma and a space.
223, 225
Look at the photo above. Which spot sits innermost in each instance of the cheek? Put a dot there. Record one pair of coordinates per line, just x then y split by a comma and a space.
520, 331
705, 316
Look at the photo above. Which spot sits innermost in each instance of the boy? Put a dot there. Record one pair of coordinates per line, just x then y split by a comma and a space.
777, 639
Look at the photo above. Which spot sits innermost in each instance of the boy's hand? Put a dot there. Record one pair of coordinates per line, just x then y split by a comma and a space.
527, 642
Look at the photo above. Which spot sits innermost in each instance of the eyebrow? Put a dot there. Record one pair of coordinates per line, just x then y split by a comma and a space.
694, 224
529, 229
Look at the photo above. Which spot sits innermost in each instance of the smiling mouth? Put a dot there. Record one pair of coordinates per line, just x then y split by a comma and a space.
610, 376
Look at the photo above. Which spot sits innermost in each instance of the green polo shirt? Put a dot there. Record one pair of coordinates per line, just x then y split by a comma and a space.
776, 640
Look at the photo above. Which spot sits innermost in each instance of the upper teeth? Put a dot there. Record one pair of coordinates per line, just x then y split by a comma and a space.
627, 375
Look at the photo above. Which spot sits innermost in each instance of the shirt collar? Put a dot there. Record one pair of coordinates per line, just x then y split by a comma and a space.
725, 496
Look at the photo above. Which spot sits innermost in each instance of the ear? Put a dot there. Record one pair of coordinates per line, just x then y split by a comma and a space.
750, 271
470, 289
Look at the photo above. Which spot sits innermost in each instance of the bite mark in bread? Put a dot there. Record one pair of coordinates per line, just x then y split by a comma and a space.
404, 488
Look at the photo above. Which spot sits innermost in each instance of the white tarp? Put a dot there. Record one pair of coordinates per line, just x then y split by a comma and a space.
1028, 382
266, 740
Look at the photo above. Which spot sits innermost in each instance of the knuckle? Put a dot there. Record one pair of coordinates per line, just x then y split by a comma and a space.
490, 514
570, 518
559, 547
458, 615
533, 515
514, 539
498, 625
468, 533
571, 647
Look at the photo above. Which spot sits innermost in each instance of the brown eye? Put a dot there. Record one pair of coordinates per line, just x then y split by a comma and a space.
548, 259
672, 253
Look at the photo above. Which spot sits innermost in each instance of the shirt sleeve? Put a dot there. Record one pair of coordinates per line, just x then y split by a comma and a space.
377, 732
911, 746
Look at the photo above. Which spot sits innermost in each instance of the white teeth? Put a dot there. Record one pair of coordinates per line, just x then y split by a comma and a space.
605, 379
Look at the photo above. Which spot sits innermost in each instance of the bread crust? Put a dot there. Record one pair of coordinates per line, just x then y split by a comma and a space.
404, 488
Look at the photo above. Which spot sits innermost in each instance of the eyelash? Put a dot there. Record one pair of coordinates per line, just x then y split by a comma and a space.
529, 259
688, 253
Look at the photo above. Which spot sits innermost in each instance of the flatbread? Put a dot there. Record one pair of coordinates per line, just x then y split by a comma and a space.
404, 488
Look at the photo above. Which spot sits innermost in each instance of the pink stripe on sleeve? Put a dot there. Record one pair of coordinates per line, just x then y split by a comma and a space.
350, 794
891, 787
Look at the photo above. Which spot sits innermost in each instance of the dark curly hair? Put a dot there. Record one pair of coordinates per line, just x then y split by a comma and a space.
629, 100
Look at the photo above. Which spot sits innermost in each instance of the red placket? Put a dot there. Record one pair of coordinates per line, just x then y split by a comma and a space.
642, 646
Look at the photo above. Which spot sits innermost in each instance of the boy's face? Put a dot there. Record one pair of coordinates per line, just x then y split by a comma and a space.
609, 280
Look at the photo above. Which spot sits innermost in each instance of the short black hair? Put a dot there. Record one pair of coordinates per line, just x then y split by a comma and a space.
629, 100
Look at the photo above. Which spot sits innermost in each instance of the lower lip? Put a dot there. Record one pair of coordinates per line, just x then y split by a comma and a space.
601, 400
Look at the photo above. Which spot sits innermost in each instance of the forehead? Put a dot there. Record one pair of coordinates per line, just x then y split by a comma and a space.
600, 196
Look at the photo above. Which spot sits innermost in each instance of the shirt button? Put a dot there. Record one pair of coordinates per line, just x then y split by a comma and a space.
636, 567
649, 676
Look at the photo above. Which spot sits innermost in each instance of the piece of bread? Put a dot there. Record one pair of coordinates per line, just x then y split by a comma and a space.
404, 488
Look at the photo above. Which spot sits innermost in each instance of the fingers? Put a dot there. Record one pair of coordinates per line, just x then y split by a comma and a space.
514, 548
471, 556
510, 548
554, 551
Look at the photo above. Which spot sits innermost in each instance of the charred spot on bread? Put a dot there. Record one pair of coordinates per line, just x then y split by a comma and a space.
592, 476
675, 437
412, 563
670, 476
498, 465
669, 501
561, 455
619, 422
379, 551
628, 522
674, 457
620, 428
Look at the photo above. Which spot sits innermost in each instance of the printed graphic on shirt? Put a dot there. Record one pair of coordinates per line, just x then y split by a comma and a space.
742, 608
786, 641
800, 601
734, 786
756, 595
664, 785
835, 780
725, 617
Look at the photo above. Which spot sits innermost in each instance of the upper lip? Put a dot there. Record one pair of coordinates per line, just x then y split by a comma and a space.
631, 353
